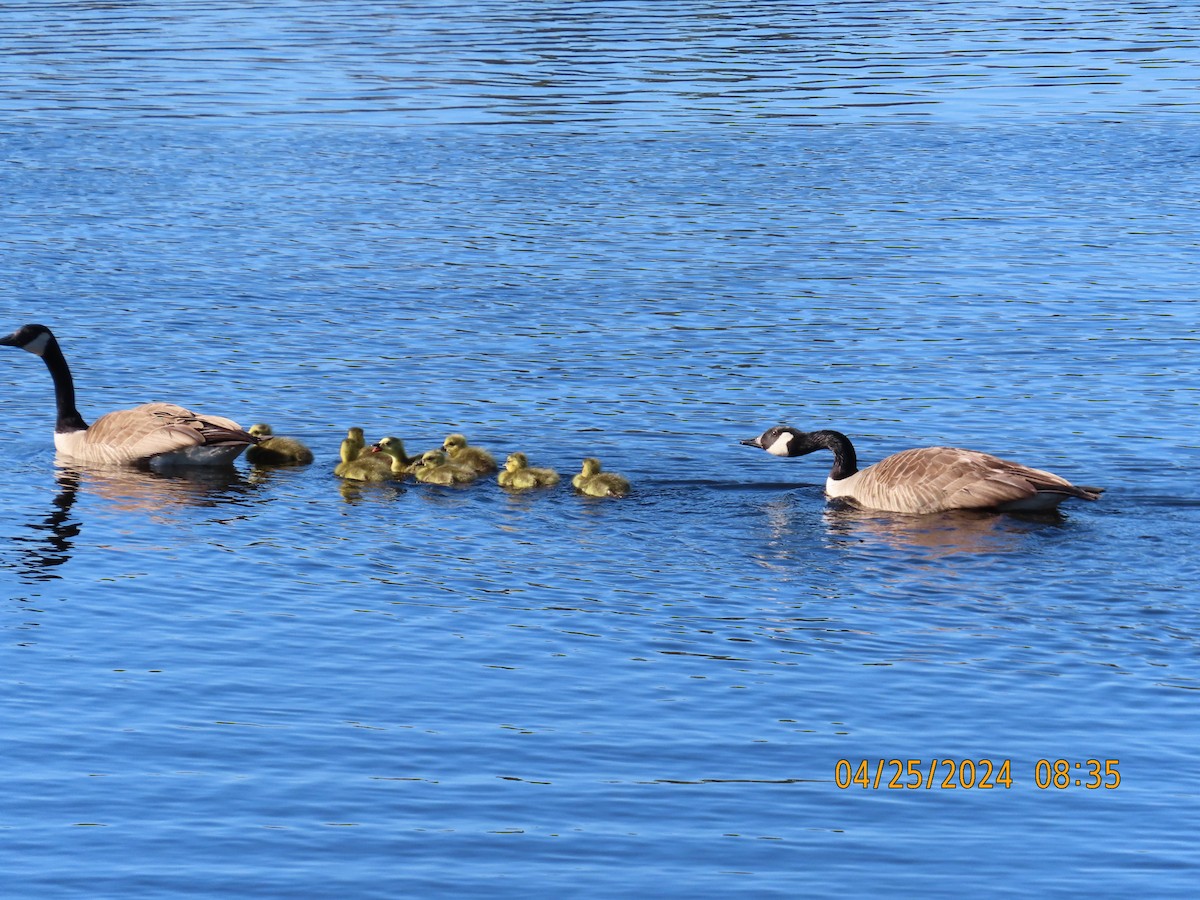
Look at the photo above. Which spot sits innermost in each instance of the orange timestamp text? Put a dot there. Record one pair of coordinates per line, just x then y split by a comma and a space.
973, 774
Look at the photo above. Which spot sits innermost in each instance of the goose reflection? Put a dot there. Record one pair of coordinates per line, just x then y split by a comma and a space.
48, 541
158, 493
792, 528
938, 534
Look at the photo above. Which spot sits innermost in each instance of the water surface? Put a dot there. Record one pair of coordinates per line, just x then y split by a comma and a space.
640, 232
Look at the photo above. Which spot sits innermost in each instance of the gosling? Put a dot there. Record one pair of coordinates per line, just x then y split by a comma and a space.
436, 468
461, 453
402, 464
273, 450
357, 465
518, 475
352, 448
595, 483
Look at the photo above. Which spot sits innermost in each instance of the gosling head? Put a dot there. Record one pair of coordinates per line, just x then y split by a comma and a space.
516, 461
393, 446
261, 429
454, 442
782, 441
591, 466
433, 458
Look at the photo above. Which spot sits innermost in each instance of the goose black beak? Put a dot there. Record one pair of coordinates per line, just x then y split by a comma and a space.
751, 442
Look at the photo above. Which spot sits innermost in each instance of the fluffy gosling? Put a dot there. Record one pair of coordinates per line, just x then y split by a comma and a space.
358, 465
368, 467
351, 449
436, 468
402, 464
518, 475
273, 450
476, 459
595, 483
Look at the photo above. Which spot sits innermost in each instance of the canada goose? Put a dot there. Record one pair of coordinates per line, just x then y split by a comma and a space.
160, 434
520, 476
436, 468
273, 450
351, 449
476, 459
402, 464
928, 480
594, 483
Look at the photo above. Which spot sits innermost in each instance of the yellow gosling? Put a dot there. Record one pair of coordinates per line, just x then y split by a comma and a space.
518, 475
368, 467
476, 459
436, 468
595, 483
402, 464
273, 450
351, 449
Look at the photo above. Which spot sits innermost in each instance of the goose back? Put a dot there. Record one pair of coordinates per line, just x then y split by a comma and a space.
935, 479
158, 433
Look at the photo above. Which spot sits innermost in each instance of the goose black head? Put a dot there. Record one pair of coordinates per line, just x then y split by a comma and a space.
34, 338
781, 440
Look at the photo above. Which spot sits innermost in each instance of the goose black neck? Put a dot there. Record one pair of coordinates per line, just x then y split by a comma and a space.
845, 462
69, 418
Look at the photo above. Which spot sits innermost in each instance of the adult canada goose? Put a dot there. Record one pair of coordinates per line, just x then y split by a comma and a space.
476, 459
436, 468
520, 476
595, 483
159, 434
274, 450
928, 480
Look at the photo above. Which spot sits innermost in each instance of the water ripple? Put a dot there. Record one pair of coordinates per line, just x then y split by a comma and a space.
593, 65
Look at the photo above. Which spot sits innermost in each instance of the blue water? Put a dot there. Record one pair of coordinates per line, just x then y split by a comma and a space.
641, 232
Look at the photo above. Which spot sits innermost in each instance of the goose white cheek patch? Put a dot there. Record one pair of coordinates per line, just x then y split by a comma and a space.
779, 446
38, 345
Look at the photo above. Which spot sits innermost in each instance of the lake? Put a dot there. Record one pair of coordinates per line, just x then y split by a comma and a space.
640, 232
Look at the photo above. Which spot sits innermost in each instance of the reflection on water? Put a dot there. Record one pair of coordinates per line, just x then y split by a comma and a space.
794, 522
154, 493
51, 538
937, 535
49, 544
358, 491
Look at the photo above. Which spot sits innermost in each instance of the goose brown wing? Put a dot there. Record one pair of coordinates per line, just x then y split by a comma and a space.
932, 479
156, 428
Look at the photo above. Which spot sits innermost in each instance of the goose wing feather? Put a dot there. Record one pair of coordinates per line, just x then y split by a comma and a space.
932, 479
153, 429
